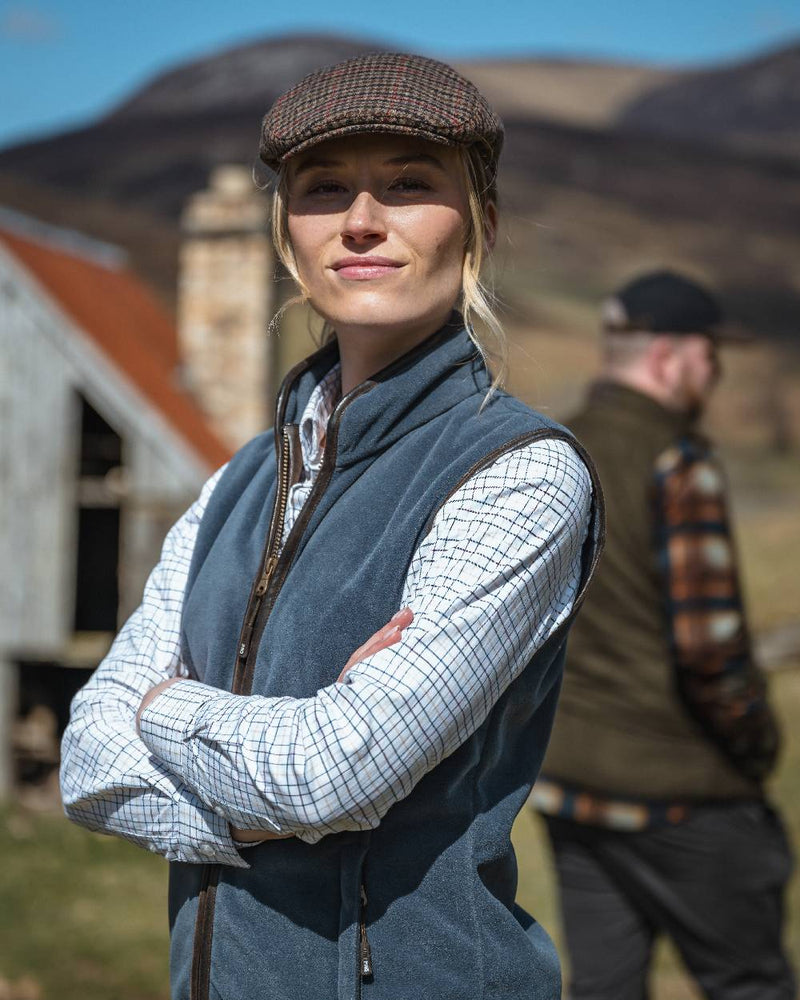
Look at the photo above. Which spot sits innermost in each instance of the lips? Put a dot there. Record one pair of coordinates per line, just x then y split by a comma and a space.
365, 268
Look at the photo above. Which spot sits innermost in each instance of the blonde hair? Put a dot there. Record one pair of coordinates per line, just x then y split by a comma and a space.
477, 299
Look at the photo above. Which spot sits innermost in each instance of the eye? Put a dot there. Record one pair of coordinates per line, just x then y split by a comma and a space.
409, 184
326, 187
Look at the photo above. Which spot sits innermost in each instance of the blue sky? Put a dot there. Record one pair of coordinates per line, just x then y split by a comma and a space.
62, 62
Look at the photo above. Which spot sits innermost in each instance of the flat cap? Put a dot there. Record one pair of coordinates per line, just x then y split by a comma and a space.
663, 302
382, 92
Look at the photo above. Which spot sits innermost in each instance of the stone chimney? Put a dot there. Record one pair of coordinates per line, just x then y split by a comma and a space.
225, 303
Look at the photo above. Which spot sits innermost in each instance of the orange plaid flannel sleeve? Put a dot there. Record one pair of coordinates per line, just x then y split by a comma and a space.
716, 675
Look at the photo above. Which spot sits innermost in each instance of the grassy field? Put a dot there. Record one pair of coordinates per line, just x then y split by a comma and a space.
83, 917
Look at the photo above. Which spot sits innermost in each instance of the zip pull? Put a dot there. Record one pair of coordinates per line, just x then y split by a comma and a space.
269, 569
261, 589
365, 952
244, 642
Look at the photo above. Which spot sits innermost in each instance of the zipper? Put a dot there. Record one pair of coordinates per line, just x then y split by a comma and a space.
284, 558
200, 976
364, 951
275, 566
204, 922
269, 563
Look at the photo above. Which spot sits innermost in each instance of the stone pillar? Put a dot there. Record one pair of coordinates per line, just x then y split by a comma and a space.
225, 303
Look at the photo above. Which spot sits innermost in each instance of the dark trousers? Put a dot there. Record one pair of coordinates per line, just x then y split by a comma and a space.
713, 883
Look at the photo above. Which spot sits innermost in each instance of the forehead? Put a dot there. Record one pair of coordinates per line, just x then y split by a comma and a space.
377, 149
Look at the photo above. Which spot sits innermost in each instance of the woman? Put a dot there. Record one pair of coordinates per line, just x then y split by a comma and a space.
404, 508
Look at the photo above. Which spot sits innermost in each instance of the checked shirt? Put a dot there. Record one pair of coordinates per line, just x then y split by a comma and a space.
494, 578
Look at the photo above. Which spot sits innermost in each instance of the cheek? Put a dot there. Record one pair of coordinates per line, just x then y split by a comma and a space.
306, 237
441, 240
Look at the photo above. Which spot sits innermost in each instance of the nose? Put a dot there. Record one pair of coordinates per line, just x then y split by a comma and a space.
364, 219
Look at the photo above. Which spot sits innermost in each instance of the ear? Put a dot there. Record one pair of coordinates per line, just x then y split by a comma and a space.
490, 235
661, 357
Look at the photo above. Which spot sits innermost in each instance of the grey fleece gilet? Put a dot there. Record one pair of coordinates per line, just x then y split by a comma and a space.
439, 871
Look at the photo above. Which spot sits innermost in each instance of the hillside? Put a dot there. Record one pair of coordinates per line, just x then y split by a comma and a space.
245, 78
586, 93
588, 193
753, 104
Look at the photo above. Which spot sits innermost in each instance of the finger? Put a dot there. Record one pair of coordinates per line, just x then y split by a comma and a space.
370, 648
381, 642
389, 634
372, 645
402, 619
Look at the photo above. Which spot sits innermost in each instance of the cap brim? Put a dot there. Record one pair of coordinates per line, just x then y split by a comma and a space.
733, 333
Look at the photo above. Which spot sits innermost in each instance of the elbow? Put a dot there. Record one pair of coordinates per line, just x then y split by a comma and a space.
358, 807
74, 784
72, 794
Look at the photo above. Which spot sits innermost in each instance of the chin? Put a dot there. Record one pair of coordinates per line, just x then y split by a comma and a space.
376, 312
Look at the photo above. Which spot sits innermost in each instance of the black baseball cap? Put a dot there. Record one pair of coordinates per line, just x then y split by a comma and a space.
665, 302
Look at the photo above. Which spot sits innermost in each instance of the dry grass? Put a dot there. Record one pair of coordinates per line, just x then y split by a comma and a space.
83, 917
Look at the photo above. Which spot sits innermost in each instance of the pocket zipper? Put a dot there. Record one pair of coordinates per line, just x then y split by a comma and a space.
365, 952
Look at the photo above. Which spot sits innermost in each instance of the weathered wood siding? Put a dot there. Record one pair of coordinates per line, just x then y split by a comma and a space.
45, 362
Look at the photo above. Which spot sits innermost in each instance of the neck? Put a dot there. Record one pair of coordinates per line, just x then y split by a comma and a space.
642, 382
363, 351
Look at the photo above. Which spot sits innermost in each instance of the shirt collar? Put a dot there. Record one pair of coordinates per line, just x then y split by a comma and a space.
316, 415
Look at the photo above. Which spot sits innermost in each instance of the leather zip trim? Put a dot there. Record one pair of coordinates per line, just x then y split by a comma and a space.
365, 966
268, 563
284, 561
266, 587
203, 928
204, 922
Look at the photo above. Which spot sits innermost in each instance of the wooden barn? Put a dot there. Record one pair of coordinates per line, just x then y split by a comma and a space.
101, 449
111, 418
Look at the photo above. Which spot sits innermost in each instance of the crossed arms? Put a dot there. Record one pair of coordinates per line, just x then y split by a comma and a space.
497, 574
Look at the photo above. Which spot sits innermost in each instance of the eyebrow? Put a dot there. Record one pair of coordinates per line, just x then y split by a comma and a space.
314, 163
405, 159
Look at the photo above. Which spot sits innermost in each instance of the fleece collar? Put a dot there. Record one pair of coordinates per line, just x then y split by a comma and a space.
430, 379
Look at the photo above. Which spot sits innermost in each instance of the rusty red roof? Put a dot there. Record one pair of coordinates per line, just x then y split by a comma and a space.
121, 316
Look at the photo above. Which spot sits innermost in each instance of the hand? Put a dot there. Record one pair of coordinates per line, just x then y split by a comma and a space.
391, 633
152, 694
256, 836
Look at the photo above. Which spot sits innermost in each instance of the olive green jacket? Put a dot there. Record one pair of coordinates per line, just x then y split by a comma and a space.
622, 728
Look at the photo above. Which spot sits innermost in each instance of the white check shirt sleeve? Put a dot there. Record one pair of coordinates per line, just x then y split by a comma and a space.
110, 782
495, 577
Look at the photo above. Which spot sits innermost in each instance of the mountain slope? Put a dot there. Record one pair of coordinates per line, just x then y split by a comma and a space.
247, 77
755, 103
585, 205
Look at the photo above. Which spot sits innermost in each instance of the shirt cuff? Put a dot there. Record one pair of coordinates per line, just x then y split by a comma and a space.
166, 722
211, 842
166, 728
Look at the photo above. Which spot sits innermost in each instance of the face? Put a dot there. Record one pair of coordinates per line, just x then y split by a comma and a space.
694, 371
377, 225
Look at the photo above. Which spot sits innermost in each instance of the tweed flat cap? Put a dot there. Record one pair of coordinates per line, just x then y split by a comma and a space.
382, 92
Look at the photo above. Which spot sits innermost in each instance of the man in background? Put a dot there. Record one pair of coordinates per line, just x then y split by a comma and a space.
653, 783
